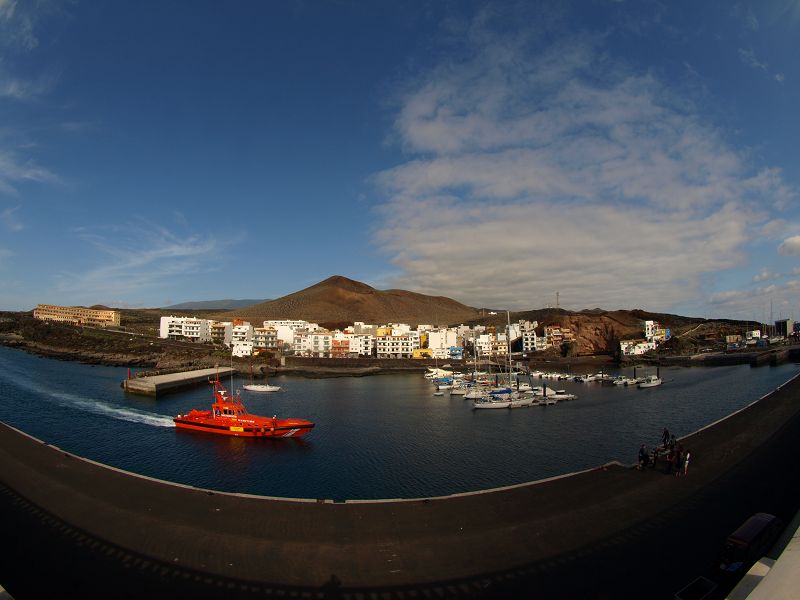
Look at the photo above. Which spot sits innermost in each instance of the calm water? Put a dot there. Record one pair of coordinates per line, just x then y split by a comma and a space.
376, 437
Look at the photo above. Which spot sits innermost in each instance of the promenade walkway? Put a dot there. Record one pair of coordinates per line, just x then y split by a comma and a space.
611, 532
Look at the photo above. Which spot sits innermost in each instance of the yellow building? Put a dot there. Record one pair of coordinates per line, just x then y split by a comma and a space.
77, 315
422, 353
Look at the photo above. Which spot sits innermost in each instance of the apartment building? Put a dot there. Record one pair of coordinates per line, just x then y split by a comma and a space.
221, 332
265, 338
440, 341
313, 343
185, 328
340, 348
499, 346
77, 315
532, 342
483, 344
394, 346
654, 331
556, 335
362, 344
285, 329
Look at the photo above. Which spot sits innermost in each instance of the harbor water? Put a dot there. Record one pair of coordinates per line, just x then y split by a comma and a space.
383, 436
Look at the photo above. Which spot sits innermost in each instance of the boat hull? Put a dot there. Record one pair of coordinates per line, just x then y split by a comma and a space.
283, 429
261, 387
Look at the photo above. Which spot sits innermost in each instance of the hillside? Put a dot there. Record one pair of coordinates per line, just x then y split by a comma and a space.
342, 300
598, 331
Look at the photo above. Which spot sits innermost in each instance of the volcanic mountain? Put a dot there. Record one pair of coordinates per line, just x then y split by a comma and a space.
342, 300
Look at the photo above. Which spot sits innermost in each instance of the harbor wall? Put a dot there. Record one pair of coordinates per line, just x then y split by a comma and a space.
158, 385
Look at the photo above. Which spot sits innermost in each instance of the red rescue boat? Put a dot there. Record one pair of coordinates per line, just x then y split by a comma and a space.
228, 416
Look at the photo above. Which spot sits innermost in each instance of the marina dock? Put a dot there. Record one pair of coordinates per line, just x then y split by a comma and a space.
158, 385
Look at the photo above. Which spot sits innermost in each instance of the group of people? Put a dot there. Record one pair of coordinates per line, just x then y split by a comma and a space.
676, 455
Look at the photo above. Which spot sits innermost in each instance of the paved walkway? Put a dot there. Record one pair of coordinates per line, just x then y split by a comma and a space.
608, 532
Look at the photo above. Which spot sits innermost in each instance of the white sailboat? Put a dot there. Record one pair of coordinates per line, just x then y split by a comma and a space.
259, 387
650, 381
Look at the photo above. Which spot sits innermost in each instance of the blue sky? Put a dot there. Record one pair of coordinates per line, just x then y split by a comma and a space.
625, 154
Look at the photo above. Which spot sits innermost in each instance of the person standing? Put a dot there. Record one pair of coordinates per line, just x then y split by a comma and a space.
686, 462
665, 437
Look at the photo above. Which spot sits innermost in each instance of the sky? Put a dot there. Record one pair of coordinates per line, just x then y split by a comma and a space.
619, 154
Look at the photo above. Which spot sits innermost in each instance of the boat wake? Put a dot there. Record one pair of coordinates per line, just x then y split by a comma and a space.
125, 414
95, 406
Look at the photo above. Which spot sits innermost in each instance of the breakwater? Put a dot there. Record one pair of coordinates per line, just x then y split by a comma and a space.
158, 385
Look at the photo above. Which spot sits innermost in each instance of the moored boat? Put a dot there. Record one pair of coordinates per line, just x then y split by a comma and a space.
228, 416
261, 387
650, 381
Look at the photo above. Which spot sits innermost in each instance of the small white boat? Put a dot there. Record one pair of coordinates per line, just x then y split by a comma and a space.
521, 401
458, 391
261, 387
438, 393
650, 381
496, 402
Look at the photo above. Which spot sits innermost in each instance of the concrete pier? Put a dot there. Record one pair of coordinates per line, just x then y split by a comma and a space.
76, 528
157, 385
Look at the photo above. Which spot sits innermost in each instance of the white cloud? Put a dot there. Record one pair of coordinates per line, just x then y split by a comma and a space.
9, 220
790, 246
773, 228
135, 261
756, 303
748, 58
17, 24
766, 275
780, 77
534, 168
13, 172
746, 15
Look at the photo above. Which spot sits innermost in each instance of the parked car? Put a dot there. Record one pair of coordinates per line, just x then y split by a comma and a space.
750, 542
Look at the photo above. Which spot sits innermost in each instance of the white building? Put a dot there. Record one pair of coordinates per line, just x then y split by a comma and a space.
242, 348
360, 344
483, 344
285, 328
242, 338
394, 346
400, 328
312, 343
265, 338
242, 332
636, 347
653, 331
321, 342
190, 328
532, 342
441, 340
